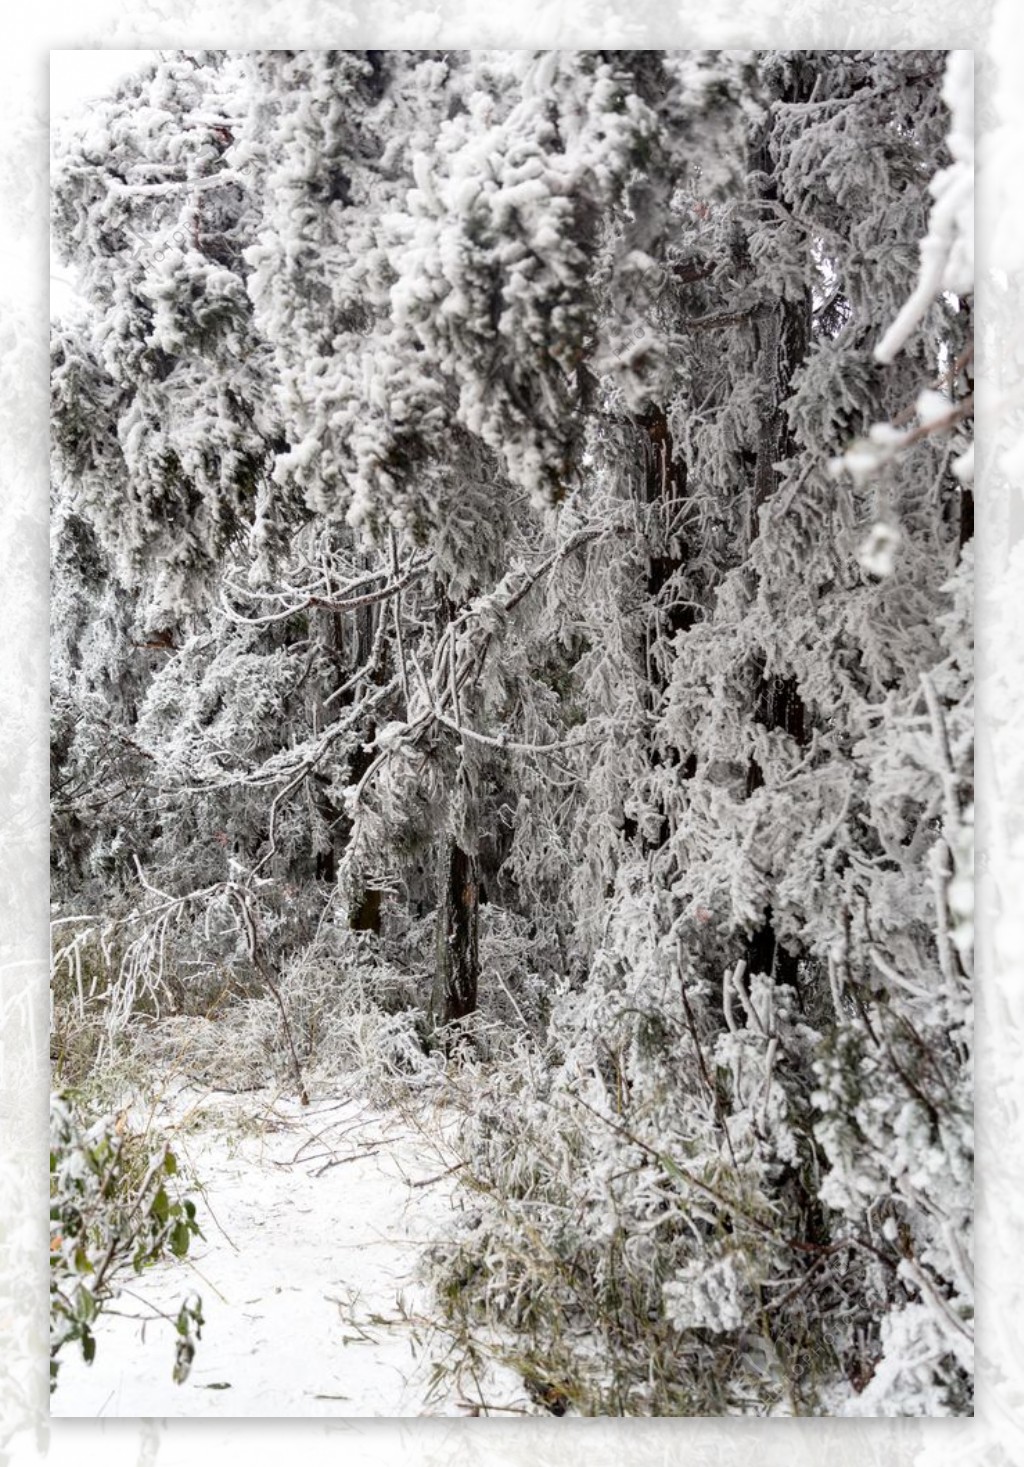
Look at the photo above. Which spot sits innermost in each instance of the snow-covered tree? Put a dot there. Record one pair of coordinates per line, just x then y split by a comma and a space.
512, 513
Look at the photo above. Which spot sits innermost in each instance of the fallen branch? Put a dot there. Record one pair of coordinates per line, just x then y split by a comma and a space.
341, 1160
429, 1181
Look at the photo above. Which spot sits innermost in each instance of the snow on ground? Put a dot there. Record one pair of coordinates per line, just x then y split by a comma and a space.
313, 1224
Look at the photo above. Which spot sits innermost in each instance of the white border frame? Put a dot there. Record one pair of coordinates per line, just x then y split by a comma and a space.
996, 32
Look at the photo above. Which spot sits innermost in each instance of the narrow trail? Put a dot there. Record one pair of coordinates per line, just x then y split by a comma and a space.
313, 1229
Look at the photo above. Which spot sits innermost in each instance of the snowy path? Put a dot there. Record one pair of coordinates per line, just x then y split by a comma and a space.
311, 1229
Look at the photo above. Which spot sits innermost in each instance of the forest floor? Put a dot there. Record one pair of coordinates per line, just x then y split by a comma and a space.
314, 1219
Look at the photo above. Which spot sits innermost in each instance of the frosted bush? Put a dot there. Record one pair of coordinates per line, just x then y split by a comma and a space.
709, 1296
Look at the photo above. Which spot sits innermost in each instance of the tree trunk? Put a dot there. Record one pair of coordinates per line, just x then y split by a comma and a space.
350, 646
365, 915
783, 336
457, 966
458, 958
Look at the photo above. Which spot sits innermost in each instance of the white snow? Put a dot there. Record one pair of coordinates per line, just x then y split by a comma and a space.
932, 407
313, 1227
877, 554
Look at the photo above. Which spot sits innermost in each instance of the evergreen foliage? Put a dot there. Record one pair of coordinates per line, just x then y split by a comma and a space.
513, 559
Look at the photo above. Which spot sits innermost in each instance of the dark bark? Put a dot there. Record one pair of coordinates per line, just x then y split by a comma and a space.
457, 968
365, 915
778, 705
457, 963
764, 954
966, 517
365, 912
782, 338
664, 486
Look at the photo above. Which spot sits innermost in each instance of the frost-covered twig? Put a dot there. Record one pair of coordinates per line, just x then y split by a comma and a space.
947, 251
501, 741
396, 613
885, 442
730, 982
325, 603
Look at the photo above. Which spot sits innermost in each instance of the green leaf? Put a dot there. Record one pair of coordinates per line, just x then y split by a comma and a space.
671, 1168
170, 1164
88, 1347
179, 1239
160, 1206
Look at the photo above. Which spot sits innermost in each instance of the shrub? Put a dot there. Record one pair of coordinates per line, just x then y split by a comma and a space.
115, 1207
